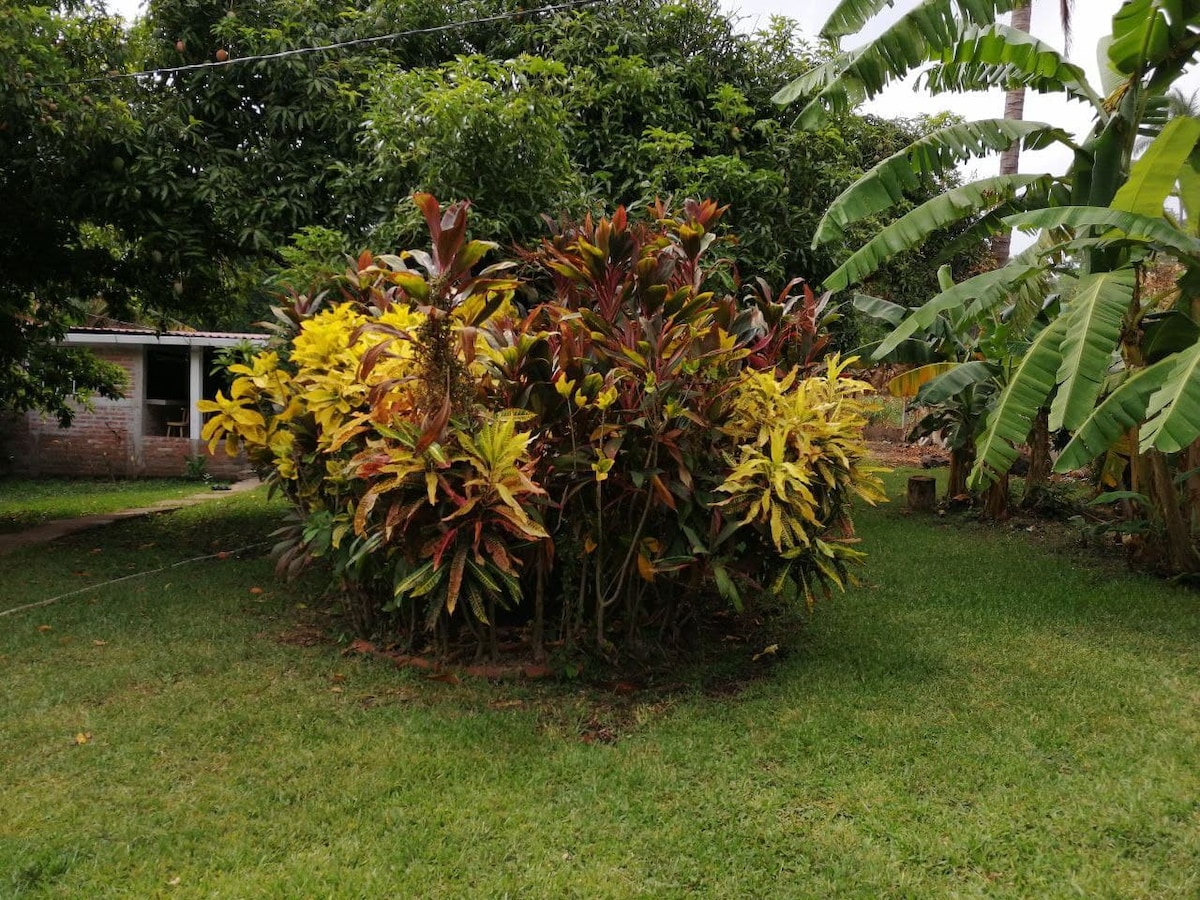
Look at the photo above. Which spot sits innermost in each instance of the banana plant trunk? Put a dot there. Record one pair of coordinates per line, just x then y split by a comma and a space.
995, 500
1150, 472
1014, 108
1193, 485
1039, 458
1181, 555
961, 460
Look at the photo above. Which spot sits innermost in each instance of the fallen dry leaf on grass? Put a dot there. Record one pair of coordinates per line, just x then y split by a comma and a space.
82, 738
507, 704
766, 651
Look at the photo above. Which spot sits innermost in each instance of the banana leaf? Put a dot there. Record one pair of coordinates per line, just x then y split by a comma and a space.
889, 182
907, 384
1012, 417
851, 15
999, 55
878, 308
1148, 33
914, 227
977, 290
837, 86
1123, 409
956, 380
1173, 416
1158, 231
1153, 175
1164, 333
1093, 317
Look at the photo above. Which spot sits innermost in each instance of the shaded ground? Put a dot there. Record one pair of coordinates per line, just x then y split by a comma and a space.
58, 528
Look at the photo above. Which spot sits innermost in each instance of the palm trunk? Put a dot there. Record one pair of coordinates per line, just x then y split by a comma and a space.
1014, 108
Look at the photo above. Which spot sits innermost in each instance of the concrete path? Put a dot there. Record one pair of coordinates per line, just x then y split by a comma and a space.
53, 530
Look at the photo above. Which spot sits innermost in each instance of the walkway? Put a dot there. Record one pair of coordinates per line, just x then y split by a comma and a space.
52, 531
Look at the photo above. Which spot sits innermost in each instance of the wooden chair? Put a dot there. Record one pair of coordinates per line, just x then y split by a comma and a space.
180, 424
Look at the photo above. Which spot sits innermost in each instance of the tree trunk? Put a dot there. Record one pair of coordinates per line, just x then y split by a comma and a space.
995, 500
541, 564
922, 493
1182, 557
1039, 457
1193, 485
1014, 108
961, 460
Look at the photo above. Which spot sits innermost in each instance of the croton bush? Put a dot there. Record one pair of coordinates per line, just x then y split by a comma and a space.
604, 440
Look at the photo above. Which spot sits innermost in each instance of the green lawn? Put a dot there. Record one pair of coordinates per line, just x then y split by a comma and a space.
987, 718
30, 501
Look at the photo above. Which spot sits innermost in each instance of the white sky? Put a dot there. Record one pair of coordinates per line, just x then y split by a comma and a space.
1092, 20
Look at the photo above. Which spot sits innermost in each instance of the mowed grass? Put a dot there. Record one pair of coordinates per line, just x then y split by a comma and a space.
30, 501
986, 718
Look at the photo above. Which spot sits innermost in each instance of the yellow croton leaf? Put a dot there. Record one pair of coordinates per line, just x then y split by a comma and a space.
265, 375
606, 398
324, 339
233, 419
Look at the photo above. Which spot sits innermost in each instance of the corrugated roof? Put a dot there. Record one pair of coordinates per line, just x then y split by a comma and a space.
136, 335
150, 332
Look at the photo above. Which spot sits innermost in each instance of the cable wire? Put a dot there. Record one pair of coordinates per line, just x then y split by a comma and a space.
95, 587
356, 42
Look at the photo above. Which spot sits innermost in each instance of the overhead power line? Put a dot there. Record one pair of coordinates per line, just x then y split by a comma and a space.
324, 48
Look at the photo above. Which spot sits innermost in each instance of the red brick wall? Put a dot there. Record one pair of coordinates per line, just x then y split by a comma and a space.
166, 457
98, 442
106, 441
222, 466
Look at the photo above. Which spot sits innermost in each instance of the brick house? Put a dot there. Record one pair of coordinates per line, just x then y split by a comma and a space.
151, 431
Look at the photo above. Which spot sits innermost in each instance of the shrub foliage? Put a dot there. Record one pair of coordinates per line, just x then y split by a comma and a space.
592, 440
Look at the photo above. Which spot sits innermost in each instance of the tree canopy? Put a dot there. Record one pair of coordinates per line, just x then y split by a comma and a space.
187, 193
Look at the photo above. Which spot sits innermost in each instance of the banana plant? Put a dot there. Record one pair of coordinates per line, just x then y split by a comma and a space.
1103, 220
955, 378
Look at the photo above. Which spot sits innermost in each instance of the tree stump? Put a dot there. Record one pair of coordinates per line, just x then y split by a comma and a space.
922, 493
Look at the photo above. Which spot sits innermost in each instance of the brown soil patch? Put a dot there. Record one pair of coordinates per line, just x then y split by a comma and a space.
889, 453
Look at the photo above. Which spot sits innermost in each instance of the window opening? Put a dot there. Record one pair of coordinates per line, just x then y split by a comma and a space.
166, 408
